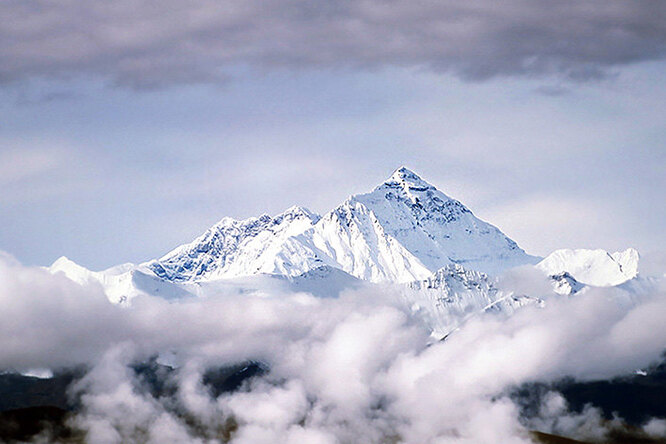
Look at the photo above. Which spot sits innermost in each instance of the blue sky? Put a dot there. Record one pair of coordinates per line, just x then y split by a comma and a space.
106, 165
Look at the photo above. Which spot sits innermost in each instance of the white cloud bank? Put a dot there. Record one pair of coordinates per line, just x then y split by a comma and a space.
354, 369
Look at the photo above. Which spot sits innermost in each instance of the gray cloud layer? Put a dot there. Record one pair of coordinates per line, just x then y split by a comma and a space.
147, 44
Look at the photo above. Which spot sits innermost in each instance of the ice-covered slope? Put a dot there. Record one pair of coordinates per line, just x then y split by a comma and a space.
564, 283
325, 281
120, 283
404, 230
123, 283
593, 267
452, 295
233, 248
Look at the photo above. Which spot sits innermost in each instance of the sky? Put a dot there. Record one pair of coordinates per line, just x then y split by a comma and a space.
128, 128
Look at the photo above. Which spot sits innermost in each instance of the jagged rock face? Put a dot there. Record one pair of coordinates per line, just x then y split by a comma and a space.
404, 230
452, 295
455, 279
566, 284
234, 248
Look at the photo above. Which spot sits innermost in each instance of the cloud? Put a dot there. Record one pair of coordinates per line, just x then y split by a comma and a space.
589, 423
358, 368
49, 321
143, 44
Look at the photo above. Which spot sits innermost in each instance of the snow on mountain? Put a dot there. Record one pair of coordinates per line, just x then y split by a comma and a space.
120, 283
322, 282
452, 295
565, 284
233, 248
117, 286
593, 267
455, 279
72, 270
405, 234
404, 230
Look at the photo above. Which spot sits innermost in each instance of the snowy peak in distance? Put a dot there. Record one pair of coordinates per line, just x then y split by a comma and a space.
408, 185
593, 267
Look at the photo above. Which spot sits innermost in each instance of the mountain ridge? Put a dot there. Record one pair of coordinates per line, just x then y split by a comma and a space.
440, 260
403, 230
598, 267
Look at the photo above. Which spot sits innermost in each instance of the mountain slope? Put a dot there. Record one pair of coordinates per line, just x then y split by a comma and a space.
404, 230
565, 284
120, 283
452, 295
234, 248
593, 267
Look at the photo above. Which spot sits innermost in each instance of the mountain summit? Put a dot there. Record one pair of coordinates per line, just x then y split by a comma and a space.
403, 230
407, 178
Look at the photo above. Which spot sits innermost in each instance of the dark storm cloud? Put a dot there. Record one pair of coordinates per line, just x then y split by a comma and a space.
145, 43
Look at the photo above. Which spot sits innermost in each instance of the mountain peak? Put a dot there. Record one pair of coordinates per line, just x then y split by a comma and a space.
62, 261
408, 187
297, 210
403, 230
407, 179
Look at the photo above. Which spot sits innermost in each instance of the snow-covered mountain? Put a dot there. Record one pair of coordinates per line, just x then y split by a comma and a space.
427, 247
232, 248
452, 295
564, 283
593, 267
404, 230
120, 283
